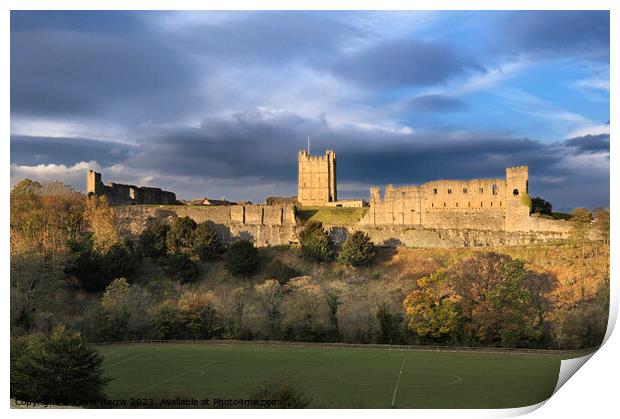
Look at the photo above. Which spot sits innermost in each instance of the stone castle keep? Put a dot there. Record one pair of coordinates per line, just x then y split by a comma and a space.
441, 213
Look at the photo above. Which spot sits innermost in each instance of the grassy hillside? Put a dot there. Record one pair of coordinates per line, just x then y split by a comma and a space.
331, 215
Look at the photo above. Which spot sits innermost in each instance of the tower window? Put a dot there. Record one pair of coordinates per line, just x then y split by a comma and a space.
444, 204
494, 187
457, 204
433, 205
469, 205
481, 205
435, 191
449, 191
481, 190
464, 190
515, 192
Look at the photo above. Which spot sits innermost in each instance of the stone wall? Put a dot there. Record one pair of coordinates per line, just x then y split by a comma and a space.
262, 224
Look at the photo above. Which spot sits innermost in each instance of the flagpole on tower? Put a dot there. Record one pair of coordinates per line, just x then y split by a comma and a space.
308, 145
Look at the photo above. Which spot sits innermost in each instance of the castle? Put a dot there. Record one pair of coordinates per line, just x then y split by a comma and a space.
481, 204
440, 213
119, 194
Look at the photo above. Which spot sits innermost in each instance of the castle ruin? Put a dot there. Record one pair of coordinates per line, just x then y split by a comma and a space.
119, 194
479, 204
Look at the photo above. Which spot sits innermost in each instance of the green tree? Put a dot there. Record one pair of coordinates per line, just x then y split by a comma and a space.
316, 243
390, 324
152, 241
357, 250
206, 245
276, 269
241, 258
165, 321
103, 222
179, 267
540, 206
95, 270
58, 369
180, 238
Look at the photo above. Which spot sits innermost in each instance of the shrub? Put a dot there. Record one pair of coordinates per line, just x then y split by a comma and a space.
180, 267
280, 271
165, 321
206, 245
316, 244
95, 270
152, 241
181, 236
58, 369
357, 250
288, 393
241, 258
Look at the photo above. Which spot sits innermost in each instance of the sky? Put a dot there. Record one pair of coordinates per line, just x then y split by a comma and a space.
217, 104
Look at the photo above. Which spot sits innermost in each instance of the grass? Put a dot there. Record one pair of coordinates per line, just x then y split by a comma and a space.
332, 377
340, 216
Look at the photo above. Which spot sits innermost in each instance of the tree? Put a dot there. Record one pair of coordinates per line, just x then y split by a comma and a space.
58, 369
580, 228
198, 315
270, 297
276, 269
180, 238
44, 217
357, 250
241, 258
179, 267
541, 206
432, 309
152, 241
95, 270
103, 223
601, 217
206, 245
390, 324
316, 243
165, 321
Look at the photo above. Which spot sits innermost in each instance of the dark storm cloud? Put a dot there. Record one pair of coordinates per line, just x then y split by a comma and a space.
272, 38
584, 31
590, 143
26, 150
404, 63
436, 103
259, 147
109, 72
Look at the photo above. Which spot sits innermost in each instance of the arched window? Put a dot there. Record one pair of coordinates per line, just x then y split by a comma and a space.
444, 204
457, 204
515, 192
449, 191
494, 188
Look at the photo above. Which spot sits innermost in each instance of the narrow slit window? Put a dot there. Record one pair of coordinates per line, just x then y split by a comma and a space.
481, 190
464, 190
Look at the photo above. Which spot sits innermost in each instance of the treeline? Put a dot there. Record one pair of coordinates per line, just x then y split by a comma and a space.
71, 265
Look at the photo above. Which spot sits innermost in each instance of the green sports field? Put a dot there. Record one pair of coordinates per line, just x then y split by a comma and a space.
333, 377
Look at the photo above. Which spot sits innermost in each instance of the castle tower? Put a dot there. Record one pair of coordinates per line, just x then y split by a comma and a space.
517, 199
316, 178
94, 185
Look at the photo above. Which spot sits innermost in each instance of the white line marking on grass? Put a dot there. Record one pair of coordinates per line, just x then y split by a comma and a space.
398, 381
162, 382
124, 360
